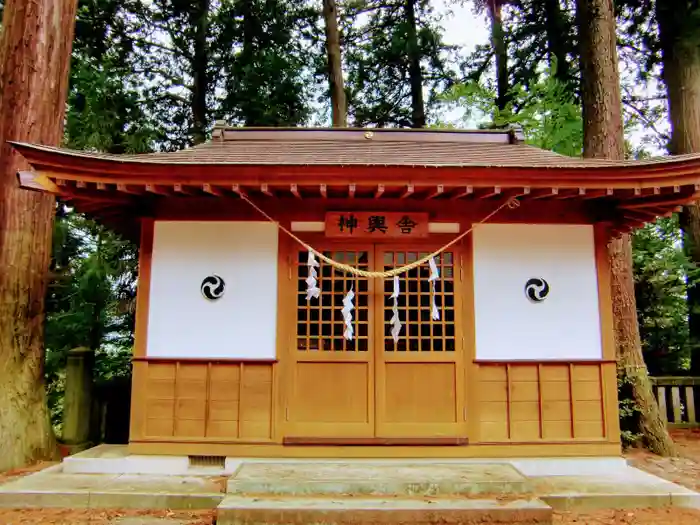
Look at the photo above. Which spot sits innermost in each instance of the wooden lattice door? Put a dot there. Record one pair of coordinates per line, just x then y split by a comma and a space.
371, 386
419, 378
332, 379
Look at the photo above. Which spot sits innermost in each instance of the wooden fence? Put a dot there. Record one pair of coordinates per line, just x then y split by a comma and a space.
676, 397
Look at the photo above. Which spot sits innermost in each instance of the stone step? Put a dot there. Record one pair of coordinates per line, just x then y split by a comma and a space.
241, 510
54, 488
624, 489
405, 479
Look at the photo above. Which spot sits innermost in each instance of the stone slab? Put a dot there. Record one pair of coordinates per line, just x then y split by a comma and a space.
624, 489
239, 510
64, 490
531, 467
405, 479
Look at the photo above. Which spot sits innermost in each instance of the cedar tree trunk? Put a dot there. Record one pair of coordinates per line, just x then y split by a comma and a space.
35, 50
681, 61
500, 49
603, 138
335, 65
556, 39
200, 85
414, 71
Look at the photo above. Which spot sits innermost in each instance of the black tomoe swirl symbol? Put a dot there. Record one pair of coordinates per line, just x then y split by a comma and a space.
213, 287
536, 289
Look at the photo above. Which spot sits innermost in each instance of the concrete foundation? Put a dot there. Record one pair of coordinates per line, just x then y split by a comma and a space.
267, 491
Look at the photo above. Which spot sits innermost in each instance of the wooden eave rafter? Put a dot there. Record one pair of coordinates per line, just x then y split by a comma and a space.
591, 175
638, 192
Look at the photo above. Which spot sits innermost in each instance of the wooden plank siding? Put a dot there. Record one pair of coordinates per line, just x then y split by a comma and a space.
545, 402
221, 401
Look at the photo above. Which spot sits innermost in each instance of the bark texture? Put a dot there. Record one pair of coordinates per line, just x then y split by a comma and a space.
335, 65
35, 50
500, 49
200, 85
680, 46
414, 70
603, 138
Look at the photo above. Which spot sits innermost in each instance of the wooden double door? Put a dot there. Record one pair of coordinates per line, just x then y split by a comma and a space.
373, 386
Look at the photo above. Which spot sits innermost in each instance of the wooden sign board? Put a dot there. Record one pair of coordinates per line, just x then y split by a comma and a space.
376, 225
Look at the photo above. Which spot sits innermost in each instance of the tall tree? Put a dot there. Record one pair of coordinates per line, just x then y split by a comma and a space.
680, 51
199, 19
499, 48
523, 37
415, 73
335, 65
394, 55
266, 74
603, 138
35, 50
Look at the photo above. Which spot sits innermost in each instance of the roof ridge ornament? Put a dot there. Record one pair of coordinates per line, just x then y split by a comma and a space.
220, 127
516, 132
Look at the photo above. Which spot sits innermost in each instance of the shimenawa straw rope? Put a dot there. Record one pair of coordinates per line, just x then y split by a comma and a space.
510, 203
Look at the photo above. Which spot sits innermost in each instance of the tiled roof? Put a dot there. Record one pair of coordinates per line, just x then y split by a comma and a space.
351, 148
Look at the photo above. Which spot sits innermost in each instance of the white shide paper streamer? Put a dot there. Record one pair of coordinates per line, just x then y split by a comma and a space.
395, 321
434, 276
311, 289
347, 314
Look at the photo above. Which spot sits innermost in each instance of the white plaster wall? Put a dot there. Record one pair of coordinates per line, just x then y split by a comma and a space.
566, 325
241, 324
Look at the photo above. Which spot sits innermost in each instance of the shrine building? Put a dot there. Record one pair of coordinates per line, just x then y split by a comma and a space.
253, 338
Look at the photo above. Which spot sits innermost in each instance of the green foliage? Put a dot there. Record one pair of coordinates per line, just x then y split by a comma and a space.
90, 300
105, 109
661, 270
377, 61
629, 411
267, 79
548, 114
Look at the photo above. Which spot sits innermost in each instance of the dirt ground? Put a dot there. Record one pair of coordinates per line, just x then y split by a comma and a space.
103, 517
684, 470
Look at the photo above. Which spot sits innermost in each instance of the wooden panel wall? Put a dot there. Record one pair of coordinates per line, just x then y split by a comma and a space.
221, 401
545, 402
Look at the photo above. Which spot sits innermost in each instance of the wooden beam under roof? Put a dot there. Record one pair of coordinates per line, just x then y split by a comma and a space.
158, 190
463, 193
295, 191
544, 193
490, 192
514, 193
409, 191
323, 190
379, 192
211, 190
182, 190
438, 191
34, 181
598, 193
236, 188
351, 190
125, 188
661, 200
265, 190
